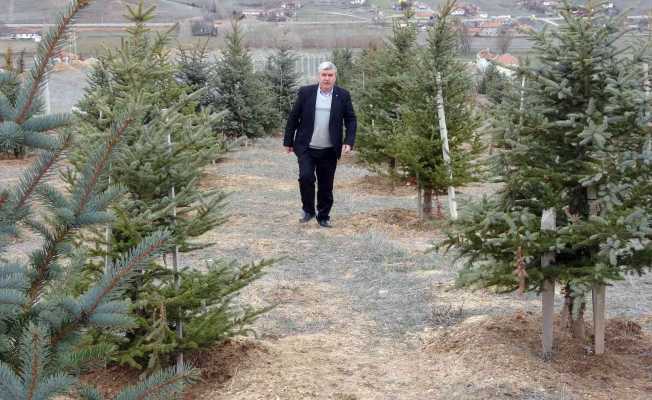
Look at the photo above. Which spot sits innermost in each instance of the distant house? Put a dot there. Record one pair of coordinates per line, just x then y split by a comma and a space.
471, 9
465, 10
28, 36
203, 28
486, 57
252, 12
423, 12
275, 15
291, 5
484, 27
459, 12
5, 31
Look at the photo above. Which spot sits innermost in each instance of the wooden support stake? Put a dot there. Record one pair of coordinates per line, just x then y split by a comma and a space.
599, 301
548, 223
419, 199
598, 293
647, 86
175, 265
443, 132
521, 107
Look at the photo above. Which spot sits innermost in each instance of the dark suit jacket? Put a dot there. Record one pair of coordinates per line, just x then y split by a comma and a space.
301, 121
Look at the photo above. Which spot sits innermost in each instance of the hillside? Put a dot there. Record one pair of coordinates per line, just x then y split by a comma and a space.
34, 11
498, 7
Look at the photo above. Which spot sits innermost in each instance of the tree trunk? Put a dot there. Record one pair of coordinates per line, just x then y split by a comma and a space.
565, 316
573, 314
392, 173
419, 200
427, 204
439, 213
578, 322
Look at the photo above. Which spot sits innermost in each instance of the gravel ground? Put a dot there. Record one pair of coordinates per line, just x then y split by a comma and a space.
366, 294
386, 273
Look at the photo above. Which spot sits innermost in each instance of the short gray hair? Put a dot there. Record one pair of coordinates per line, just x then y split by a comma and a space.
327, 65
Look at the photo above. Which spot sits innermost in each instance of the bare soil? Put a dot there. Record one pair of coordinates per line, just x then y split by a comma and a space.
365, 311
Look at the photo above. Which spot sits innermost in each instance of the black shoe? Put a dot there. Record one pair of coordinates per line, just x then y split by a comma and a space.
306, 217
325, 223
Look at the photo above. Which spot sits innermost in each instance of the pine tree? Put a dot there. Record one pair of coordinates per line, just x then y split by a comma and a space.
578, 150
160, 171
343, 60
383, 74
420, 146
9, 86
493, 84
194, 70
39, 325
282, 79
240, 91
9, 59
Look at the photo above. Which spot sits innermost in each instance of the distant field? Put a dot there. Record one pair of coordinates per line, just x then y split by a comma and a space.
502, 7
32, 11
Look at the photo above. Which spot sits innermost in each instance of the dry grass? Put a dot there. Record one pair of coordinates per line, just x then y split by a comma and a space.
378, 185
480, 358
508, 349
363, 314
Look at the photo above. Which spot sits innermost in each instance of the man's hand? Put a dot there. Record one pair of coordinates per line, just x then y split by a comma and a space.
346, 149
289, 149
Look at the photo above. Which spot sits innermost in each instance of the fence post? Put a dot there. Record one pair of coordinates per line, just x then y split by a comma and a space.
548, 223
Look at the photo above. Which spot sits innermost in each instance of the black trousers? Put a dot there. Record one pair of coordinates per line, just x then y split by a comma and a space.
317, 165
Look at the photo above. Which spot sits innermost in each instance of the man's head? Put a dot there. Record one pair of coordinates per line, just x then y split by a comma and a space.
327, 76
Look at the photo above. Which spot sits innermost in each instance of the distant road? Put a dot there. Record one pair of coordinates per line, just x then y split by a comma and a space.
550, 21
329, 22
97, 25
349, 15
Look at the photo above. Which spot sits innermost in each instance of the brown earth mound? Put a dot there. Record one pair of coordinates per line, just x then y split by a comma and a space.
378, 185
218, 365
508, 349
480, 358
398, 218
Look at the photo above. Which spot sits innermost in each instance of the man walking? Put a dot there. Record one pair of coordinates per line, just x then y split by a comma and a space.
314, 131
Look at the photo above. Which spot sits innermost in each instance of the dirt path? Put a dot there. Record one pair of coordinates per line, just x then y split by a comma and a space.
361, 305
